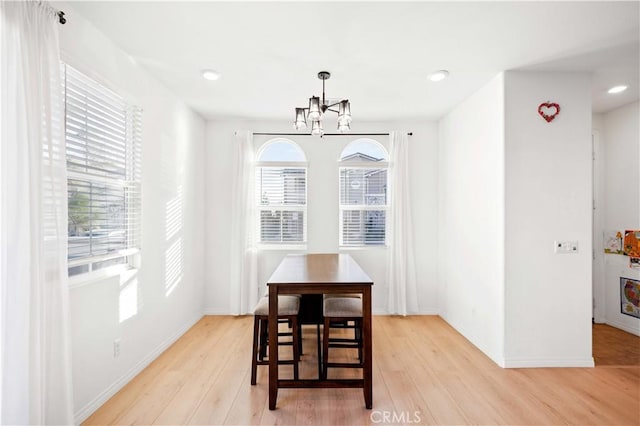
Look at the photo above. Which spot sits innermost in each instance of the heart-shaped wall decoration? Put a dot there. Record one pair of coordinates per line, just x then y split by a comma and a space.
549, 110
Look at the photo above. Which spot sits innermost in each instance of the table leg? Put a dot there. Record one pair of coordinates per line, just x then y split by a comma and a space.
319, 351
273, 346
367, 347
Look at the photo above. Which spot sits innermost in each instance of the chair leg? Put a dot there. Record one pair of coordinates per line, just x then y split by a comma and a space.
254, 357
295, 345
300, 341
319, 351
263, 339
358, 333
325, 347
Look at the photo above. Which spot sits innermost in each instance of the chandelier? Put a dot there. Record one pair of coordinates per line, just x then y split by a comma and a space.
318, 107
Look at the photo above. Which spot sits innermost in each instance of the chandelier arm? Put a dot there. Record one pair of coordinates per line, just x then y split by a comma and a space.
332, 105
336, 111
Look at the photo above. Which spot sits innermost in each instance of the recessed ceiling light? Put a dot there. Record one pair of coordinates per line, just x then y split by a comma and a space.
210, 74
439, 75
617, 89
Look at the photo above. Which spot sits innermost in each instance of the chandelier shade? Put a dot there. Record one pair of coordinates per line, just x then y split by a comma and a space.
318, 107
301, 120
316, 128
344, 113
314, 108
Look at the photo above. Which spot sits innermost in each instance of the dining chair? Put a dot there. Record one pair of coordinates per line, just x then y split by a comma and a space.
341, 311
288, 309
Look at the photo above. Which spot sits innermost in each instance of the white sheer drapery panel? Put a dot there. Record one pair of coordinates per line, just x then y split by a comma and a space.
401, 271
244, 253
35, 363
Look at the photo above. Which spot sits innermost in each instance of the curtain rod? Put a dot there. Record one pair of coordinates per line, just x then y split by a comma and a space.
325, 134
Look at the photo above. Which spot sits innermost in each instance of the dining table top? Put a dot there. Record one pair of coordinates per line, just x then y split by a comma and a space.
334, 268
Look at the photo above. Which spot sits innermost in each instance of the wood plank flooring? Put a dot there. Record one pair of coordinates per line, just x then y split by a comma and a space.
424, 373
612, 346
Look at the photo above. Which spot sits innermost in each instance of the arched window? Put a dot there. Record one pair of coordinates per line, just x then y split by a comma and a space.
281, 193
363, 193
281, 150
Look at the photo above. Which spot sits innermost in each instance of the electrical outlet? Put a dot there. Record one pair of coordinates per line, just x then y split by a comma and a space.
565, 247
116, 348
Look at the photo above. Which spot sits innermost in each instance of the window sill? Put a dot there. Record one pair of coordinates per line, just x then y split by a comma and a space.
123, 271
358, 248
283, 247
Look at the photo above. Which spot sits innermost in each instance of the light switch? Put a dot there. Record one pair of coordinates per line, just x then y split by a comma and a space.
566, 247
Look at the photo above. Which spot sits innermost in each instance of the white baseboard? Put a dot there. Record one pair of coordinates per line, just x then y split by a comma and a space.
424, 312
219, 311
632, 330
84, 413
547, 363
216, 311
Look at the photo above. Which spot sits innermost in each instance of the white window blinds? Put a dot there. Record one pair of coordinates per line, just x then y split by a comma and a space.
363, 193
281, 194
363, 205
103, 143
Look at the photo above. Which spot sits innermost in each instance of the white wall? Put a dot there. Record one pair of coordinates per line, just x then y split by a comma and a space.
548, 198
322, 207
598, 305
621, 203
622, 155
173, 189
510, 185
471, 218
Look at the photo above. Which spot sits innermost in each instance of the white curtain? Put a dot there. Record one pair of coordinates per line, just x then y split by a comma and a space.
401, 274
244, 268
35, 364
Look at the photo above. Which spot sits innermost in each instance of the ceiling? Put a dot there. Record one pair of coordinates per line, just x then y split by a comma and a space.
379, 53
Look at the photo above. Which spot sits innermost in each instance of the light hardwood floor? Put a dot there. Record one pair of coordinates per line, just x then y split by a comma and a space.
424, 373
612, 346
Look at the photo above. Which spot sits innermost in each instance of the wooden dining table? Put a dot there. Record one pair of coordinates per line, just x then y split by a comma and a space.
326, 273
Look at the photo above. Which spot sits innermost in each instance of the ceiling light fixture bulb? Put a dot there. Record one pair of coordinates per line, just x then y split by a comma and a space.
439, 75
316, 128
210, 75
617, 89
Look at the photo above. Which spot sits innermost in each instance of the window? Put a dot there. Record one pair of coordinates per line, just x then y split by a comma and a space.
103, 143
363, 193
281, 193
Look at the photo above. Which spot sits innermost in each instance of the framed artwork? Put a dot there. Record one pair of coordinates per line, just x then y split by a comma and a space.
630, 297
613, 242
631, 244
